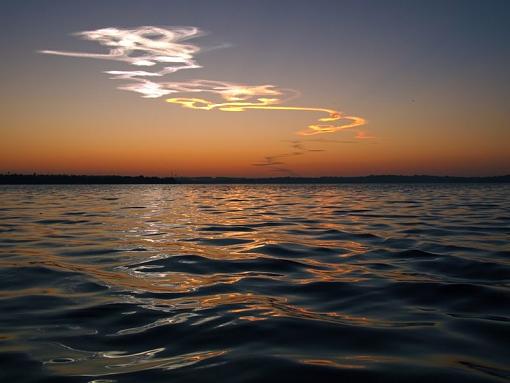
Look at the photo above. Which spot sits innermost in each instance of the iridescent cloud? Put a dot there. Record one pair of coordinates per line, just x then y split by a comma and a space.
151, 46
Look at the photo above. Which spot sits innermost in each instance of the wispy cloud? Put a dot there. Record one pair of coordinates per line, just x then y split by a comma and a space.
297, 148
167, 49
277, 162
143, 47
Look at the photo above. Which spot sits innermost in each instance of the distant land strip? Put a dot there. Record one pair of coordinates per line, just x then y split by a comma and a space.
64, 179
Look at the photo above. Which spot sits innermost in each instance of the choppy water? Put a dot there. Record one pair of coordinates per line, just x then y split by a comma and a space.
255, 283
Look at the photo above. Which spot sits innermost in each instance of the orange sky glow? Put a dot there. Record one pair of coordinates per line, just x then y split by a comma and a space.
76, 108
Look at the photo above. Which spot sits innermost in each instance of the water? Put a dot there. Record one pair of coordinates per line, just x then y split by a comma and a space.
222, 283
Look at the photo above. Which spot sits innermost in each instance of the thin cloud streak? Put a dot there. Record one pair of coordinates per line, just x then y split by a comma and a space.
276, 163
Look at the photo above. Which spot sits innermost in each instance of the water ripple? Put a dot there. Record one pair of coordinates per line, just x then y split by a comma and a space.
369, 283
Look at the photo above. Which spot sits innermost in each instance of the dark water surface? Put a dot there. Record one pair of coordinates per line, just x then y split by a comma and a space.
217, 283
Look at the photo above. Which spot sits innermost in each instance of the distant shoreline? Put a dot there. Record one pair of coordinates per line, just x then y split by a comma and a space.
55, 179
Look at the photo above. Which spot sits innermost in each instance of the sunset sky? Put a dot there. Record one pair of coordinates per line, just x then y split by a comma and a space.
407, 87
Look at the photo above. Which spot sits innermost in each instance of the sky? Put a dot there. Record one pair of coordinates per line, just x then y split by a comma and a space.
255, 88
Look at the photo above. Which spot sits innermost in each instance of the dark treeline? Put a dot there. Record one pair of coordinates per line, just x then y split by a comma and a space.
372, 179
48, 179
64, 179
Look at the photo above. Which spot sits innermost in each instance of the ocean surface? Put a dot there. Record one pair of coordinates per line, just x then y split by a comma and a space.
258, 283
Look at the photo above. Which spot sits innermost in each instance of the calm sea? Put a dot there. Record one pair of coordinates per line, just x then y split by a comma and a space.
219, 283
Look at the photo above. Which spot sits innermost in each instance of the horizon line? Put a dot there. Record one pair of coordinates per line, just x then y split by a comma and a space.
34, 178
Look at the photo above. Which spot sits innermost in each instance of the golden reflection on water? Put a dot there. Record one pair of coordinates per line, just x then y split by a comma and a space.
165, 222
185, 252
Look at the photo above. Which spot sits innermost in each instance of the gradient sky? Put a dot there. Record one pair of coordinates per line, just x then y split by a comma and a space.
430, 78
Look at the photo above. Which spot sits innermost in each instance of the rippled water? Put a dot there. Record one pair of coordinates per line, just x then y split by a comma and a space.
223, 283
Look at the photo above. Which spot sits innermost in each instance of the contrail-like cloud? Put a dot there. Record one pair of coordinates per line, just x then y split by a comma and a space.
143, 46
263, 103
166, 49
